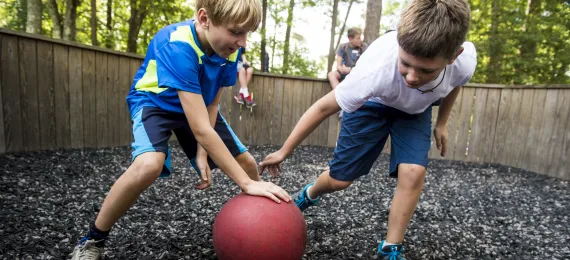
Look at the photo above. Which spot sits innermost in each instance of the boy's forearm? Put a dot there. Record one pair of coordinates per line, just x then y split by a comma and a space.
212, 114
213, 144
198, 117
310, 120
446, 106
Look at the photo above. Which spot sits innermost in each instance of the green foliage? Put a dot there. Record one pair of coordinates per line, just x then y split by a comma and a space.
531, 48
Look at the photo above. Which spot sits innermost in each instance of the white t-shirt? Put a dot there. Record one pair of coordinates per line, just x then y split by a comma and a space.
376, 78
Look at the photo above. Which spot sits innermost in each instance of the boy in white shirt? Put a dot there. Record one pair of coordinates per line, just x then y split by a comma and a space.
390, 92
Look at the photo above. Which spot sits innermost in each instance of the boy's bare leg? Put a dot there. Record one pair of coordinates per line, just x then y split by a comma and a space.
139, 176
249, 74
334, 78
248, 164
408, 191
326, 184
242, 78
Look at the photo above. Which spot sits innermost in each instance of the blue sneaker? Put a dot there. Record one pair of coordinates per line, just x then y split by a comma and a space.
302, 199
393, 252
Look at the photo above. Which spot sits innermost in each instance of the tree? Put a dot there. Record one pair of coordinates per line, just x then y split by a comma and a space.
34, 19
287, 37
333, 33
94, 19
344, 24
372, 24
139, 10
63, 28
263, 55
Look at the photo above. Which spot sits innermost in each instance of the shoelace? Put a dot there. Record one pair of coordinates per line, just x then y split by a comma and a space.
394, 254
89, 250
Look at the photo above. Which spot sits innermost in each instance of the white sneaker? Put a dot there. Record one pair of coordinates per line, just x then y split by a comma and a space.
87, 250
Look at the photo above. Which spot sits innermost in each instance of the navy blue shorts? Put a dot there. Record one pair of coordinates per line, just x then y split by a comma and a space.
363, 135
152, 128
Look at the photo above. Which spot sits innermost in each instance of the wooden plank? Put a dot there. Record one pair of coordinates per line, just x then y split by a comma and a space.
123, 90
287, 118
75, 98
2, 135
522, 120
317, 136
536, 118
89, 101
61, 94
268, 92
556, 144
564, 165
433, 152
29, 95
296, 92
236, 123
306, 101
277, 112
46, 95
509, 154
464, 123
540, 160
476, 151
113, 91
491, 113
334, 122
12, 139
101, 99
499, 142
452, 127
247, 117
257, 124
135, 65
323, 129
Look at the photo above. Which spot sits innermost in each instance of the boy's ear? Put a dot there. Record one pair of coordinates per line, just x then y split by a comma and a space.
457, 55
202, 18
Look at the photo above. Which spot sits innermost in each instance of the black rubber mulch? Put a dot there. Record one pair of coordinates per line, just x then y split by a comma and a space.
467, 211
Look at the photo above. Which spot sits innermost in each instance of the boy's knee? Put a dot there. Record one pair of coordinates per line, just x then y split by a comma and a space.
334, 74
248, 164
148, 166
339, 185
411, 175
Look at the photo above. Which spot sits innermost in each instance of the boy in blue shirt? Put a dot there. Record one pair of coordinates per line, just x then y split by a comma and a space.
390, 92
177, 89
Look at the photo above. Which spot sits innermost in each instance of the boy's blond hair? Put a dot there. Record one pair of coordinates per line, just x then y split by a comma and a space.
431, 28
244, 14
353, 32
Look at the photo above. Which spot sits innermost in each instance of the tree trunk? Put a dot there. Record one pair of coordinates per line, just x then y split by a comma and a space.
34, 20
343, 25
287, 37
263, 56
69, 27
109, 39
55, 19
333, 33
94, 41
372, 24
138, 13
494, 67
273, 43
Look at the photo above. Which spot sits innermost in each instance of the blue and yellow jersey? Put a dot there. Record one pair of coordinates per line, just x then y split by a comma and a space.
176, 61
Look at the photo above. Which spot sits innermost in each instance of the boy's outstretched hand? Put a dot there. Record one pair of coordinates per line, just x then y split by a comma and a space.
272, 163
267, 189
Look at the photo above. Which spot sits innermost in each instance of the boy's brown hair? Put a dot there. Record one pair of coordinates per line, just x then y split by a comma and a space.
431, 28
353, 32
245, 14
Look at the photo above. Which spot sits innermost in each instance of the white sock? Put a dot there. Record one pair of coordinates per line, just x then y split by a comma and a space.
309, 196
244, 91
387, 244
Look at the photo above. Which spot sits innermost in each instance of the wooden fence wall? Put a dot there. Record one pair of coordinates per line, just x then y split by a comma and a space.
61, 95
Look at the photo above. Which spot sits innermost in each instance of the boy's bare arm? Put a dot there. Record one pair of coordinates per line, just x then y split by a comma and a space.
440, 131
445, 107
315, 115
